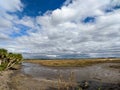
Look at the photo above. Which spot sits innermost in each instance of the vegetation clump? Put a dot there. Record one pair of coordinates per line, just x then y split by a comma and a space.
74, 62
8, 60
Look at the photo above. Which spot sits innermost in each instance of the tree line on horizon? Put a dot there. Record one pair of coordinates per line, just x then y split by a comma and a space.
8, 59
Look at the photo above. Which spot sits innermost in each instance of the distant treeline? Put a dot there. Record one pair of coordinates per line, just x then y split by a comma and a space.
70, 58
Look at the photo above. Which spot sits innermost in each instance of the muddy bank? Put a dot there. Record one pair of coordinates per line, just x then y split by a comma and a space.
5, 80
99, 72
21, 81
36, 77
15, 80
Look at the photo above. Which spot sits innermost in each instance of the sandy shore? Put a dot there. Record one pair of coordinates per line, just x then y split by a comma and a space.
15, 80
21, 81
5, 80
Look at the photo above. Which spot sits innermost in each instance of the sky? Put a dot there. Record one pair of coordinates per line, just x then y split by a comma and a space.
61, 28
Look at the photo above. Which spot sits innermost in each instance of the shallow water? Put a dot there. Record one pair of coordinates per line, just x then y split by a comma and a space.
98, 72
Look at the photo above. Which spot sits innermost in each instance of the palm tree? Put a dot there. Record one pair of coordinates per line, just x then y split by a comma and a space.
3, 55
13, 59
9, 59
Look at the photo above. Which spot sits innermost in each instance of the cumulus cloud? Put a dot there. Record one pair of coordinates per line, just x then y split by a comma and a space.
12, 5
7, 24
64, 33
7, 19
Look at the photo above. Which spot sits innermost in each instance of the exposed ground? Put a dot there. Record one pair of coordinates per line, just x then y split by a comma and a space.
5, 80
17, 80
14, 80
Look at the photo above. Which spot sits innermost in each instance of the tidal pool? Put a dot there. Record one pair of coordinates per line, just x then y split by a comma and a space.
98, 72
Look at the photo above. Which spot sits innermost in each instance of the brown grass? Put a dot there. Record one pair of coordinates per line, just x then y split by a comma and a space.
71, 84
73, 62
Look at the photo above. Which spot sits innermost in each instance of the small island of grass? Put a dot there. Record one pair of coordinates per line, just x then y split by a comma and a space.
74, 62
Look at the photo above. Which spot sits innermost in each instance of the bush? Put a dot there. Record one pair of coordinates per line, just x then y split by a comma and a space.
9, 59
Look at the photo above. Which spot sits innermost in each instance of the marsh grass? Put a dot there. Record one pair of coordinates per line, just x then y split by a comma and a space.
74, 62
115, 66
68, 83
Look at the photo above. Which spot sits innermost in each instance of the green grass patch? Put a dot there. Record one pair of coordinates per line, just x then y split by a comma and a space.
3, 66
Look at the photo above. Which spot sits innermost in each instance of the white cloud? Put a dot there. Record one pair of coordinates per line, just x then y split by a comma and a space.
7, 19
4, 23
62, 32
7, 22
10, 5
26, 21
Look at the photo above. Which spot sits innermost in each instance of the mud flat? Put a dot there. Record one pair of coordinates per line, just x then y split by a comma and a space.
102, 76
100, 72
5, 80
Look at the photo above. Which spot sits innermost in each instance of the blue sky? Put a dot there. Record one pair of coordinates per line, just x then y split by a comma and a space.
61, 28
34, 8
39, 7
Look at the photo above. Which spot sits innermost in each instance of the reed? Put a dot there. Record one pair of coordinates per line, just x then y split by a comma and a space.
68, 83
74, 62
